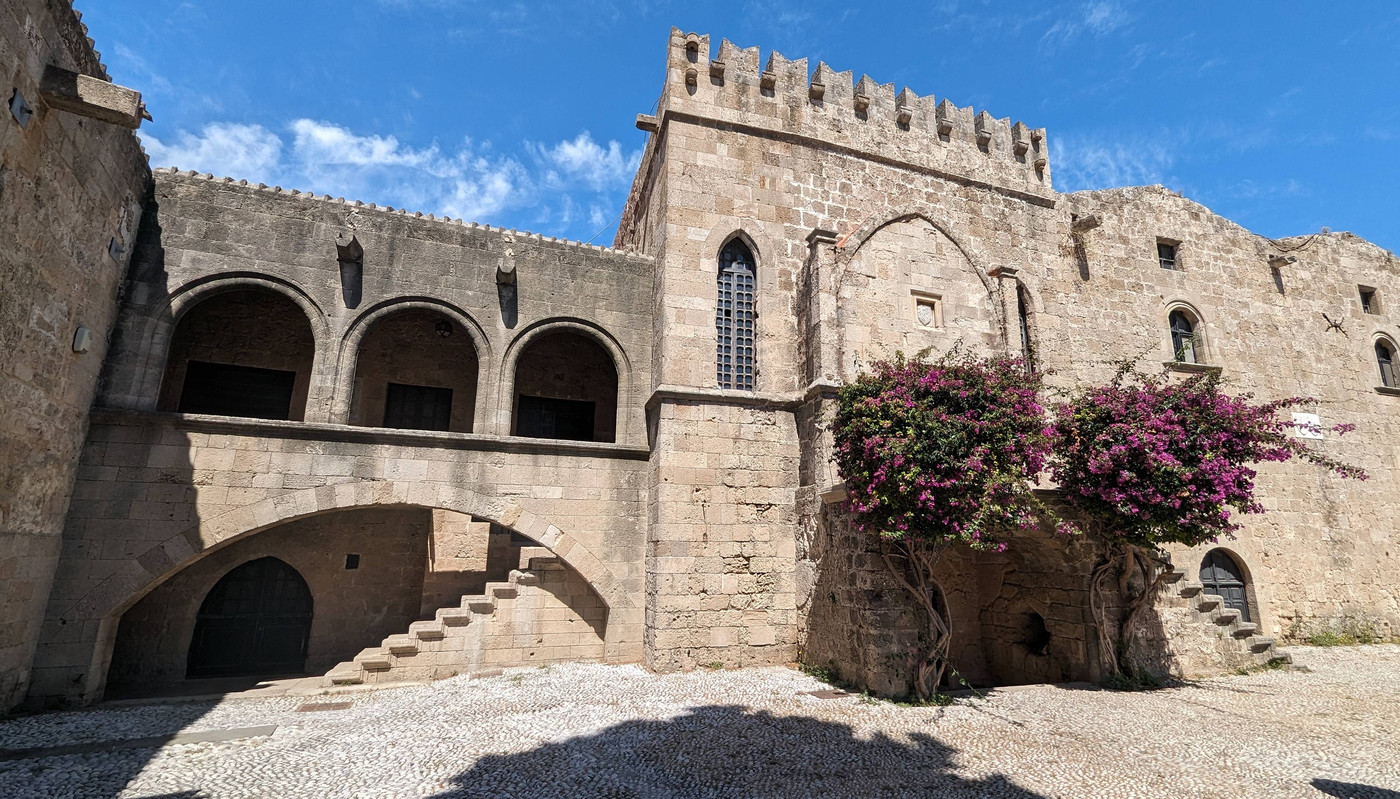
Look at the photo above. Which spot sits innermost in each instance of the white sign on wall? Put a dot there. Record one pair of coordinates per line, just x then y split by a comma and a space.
1307, 425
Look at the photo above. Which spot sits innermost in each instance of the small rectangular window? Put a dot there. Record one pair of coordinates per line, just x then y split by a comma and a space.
352, 562
1166, 254
1370, 300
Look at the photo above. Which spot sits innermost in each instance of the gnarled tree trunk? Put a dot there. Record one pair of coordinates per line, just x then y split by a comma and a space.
916, 575
1131, 566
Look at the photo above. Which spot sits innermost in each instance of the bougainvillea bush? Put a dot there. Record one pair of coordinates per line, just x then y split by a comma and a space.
1155, 461
942, 450
934, 454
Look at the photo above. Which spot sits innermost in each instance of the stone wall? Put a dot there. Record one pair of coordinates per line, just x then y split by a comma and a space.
352, 608
71, 190
156, 493
720, 556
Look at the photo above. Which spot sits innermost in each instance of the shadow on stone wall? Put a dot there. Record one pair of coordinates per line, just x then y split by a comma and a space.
1018, 617
729, 751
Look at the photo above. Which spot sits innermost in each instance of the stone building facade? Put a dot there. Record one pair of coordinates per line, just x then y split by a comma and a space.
380, 445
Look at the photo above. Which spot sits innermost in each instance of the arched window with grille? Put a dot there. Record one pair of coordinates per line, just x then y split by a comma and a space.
735, 316
1385, 359
1186, 341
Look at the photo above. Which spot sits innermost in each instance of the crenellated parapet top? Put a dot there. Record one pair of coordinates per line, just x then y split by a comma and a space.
389, 211
728, 85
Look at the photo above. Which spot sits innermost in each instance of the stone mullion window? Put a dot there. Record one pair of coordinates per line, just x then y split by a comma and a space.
734, 318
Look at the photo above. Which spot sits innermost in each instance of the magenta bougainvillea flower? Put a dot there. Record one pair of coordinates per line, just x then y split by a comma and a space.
1156, 461
944, 450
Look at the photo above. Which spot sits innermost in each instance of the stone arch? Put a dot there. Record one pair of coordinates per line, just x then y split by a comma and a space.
849, 248
349, 347
159, 330
849, 245
511, 357
97, 612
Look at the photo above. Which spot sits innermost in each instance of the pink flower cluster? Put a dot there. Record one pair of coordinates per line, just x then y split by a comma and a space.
1158, 461
943, 450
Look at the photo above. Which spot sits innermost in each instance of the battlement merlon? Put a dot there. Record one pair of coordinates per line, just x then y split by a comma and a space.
726, 84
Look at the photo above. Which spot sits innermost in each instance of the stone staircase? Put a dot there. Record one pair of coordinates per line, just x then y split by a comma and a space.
512, 623
1204, 636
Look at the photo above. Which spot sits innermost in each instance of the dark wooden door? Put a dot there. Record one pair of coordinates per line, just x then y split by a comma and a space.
228, 390
1222, 576
255, 621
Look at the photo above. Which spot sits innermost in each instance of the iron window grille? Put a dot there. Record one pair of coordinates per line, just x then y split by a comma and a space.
1166, 255
734, 318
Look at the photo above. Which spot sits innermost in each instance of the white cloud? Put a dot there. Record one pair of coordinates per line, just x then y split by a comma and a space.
469, 181
583, 159
1097, 18
223, 148
1083, 163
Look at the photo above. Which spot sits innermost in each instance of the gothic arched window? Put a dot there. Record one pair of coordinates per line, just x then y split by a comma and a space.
734, 318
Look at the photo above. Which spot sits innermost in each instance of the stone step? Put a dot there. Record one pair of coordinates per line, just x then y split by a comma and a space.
1208, 602
1174, 575
524, 578
1227, 616
345, 675
1189, 590
549, 563
401, 645
454, 617
426, 630
374, 660
479, 604
1260, 643
1245, 629
501, 590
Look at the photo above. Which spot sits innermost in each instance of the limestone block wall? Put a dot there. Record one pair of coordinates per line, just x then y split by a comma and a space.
72, 193
157, 493
463, 556
1326, 547
720, 555
352, 608
204, 236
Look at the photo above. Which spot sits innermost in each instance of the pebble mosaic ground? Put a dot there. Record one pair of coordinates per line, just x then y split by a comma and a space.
1331, 728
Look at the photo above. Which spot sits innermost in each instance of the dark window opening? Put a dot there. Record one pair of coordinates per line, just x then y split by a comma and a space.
546, 417
1385, 359
227, 390
352, 562
1026, 352
1370, 302
734, 318
1034, 634
417, 407
1186, 342
1166, 254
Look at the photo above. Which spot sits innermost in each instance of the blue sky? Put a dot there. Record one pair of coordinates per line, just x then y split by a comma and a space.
1283, 116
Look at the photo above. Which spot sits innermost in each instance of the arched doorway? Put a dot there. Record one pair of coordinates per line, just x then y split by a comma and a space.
416, 370
1222, 576
255, 621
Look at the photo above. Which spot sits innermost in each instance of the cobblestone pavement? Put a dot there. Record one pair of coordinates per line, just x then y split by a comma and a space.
616, 731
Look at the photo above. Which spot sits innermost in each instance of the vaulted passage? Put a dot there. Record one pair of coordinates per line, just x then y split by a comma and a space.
417, 370
240, 353
565, 388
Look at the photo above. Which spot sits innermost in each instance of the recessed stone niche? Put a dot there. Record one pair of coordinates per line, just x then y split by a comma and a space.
928, 309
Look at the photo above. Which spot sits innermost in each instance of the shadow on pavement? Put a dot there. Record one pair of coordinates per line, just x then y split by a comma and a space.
727, 751
1353, 790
